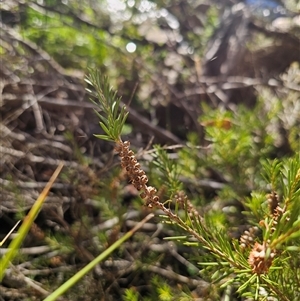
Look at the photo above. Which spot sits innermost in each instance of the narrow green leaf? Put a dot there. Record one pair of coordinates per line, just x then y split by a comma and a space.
105, 129
248, 282
118, 106
293, 248
104, 120
98, 114
117, 129
124, 117
115, 107
104, 137
215, 275
183, 237
114, 110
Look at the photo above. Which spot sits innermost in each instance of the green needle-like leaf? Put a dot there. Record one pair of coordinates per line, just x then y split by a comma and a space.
112, 117
105, 129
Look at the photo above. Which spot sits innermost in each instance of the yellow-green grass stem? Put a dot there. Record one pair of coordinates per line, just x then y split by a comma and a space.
79, 275
25, 226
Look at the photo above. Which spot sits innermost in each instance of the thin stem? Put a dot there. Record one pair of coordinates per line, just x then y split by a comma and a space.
78, 276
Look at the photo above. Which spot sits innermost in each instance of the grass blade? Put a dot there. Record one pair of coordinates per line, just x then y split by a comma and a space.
27, 222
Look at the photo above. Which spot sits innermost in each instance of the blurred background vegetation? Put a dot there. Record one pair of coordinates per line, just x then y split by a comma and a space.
215, 82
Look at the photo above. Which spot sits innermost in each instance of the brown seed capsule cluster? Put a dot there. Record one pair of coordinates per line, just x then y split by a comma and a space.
275, 210
136, 175
247, 239
273, 201
182, 199
276, 216
260, 258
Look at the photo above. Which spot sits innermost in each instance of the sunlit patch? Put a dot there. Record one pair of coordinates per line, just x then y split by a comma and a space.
131, 47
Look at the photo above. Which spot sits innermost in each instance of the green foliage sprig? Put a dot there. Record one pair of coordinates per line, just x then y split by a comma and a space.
253, 263
109, 103
169, 169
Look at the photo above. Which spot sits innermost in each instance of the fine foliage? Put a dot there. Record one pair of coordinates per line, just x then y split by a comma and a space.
258, 264
210, 146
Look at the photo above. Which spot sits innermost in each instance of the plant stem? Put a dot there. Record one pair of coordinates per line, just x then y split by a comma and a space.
79, 275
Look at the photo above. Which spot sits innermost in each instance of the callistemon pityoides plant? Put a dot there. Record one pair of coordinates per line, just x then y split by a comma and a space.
250, 263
